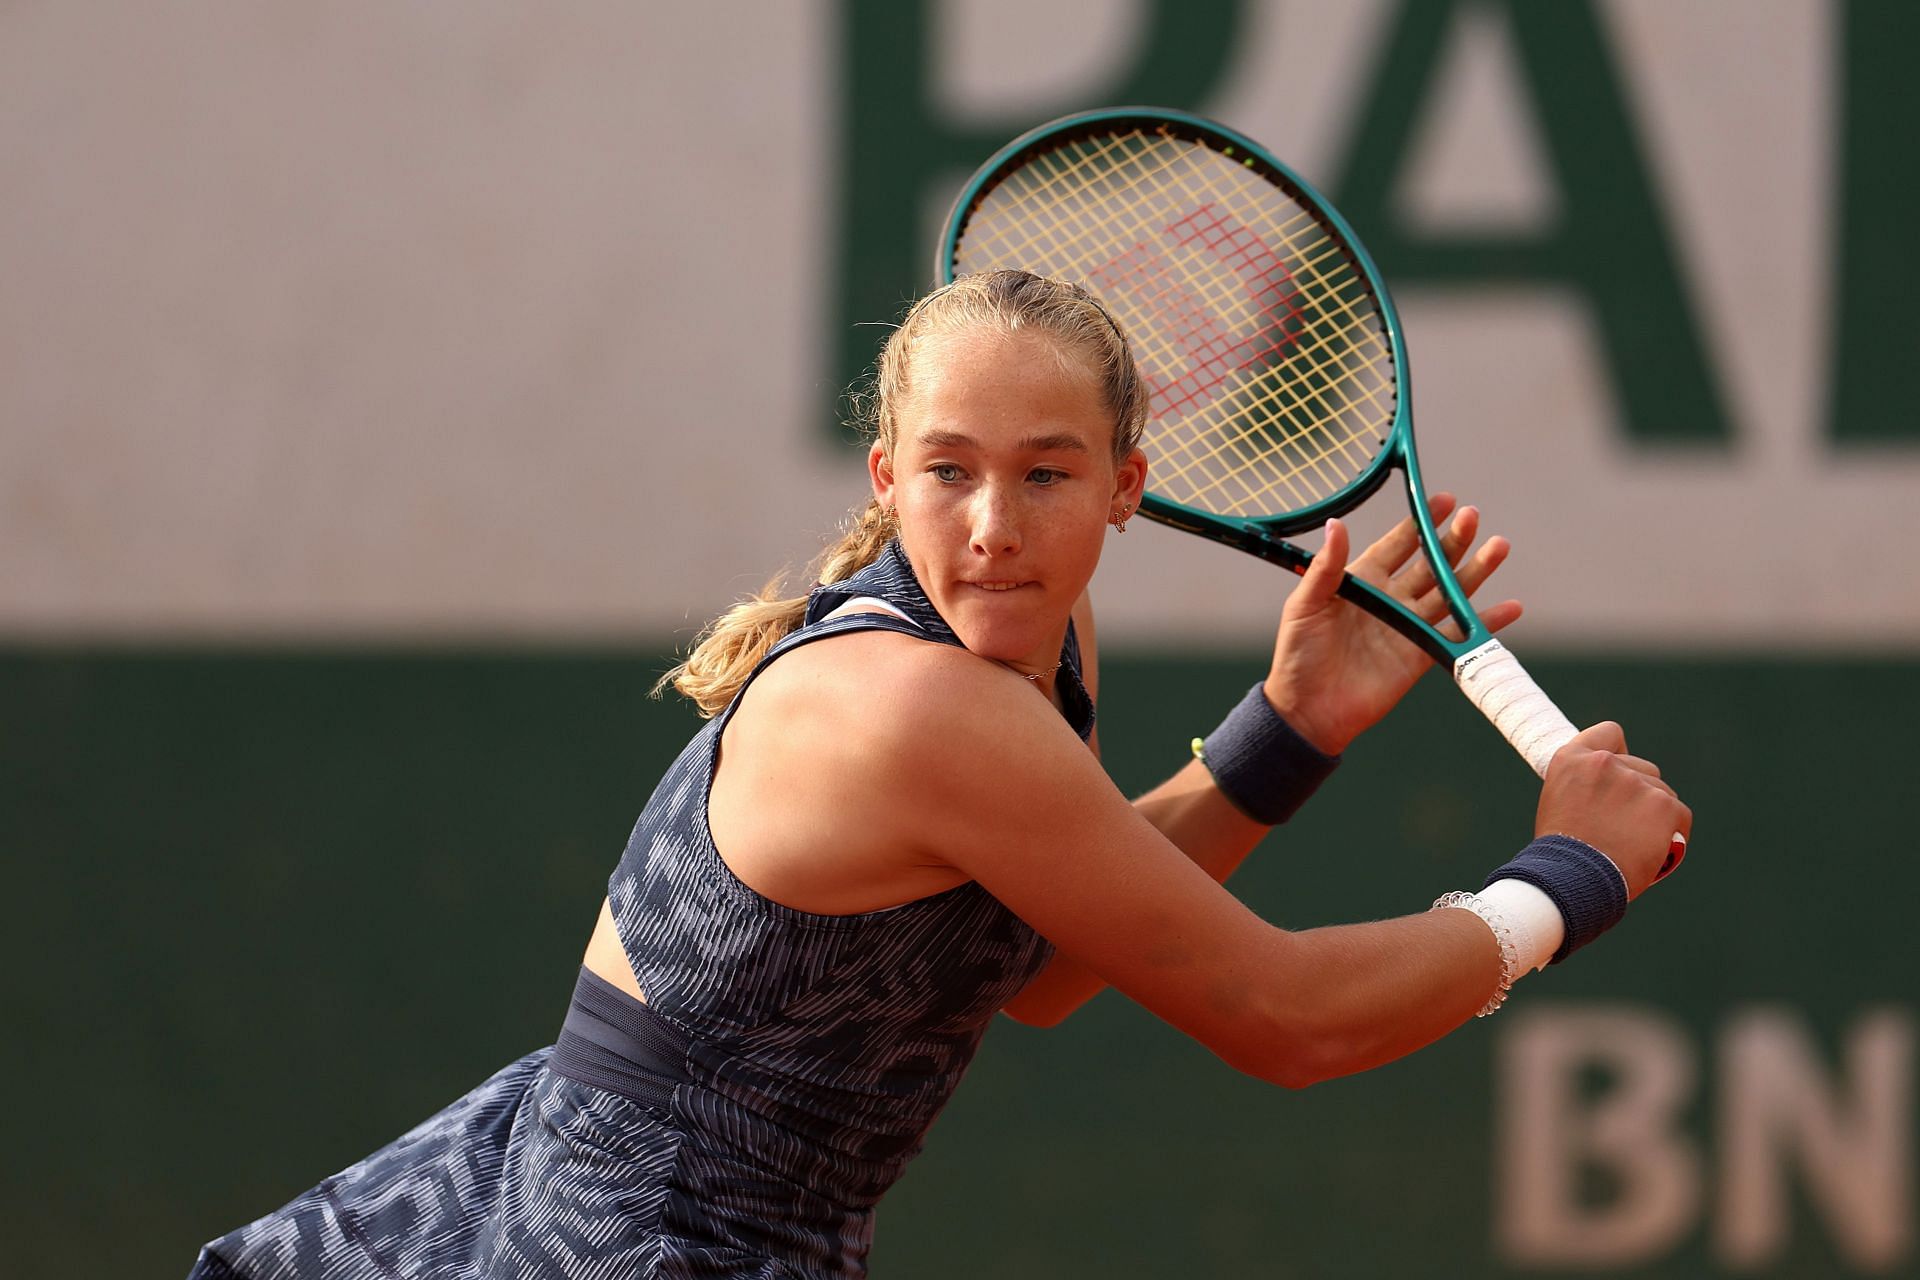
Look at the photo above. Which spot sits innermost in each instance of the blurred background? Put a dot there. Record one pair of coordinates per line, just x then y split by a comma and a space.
387, 390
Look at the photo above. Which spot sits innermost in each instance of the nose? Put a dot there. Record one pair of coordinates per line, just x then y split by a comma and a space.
996, 523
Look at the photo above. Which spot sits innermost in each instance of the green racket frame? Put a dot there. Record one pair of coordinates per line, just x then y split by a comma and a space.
1266, 537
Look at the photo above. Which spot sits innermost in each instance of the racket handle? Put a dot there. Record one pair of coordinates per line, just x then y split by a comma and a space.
1494, 681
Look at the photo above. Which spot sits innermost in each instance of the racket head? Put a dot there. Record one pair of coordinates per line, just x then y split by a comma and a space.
1273, 354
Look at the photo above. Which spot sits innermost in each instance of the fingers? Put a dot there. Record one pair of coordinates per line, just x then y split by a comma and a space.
1676, 854
1496, 617
1610, 737
1678, 842
1616, 802
1605, 736
1454, 541
1680, 825
1459, 533
1432, 605
1640, 765
1418, 578
1321, 582
1391, 562
1491, 555
1386, 557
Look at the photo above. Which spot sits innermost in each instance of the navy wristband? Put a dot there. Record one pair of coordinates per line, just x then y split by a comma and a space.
1582, 881
1261, 763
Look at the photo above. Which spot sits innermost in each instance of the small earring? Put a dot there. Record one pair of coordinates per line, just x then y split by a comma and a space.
1119, 519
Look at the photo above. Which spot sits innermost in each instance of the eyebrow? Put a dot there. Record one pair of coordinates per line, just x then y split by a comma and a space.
1059, 441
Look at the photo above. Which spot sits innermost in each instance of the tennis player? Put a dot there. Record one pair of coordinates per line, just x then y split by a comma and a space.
893, 826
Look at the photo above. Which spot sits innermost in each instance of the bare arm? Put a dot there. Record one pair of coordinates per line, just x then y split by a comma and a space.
966, 767
1202, 824
1055, 842
1128, 893
1187, 809
1334, 672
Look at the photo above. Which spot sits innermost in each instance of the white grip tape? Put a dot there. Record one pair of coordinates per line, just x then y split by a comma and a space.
1495, 682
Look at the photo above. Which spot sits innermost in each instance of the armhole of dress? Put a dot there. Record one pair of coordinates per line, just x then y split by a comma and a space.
890, 618
837, 623
871, 602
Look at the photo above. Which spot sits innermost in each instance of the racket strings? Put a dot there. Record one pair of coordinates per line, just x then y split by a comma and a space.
1046, 223
1271, 401
1272, 377
1289, 427
1076, 174
1045, 195
1279, 407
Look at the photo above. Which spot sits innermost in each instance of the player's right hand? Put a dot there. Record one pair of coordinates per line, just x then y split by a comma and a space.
1618, 803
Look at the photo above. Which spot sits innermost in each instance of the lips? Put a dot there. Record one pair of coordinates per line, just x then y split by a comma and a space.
998, 586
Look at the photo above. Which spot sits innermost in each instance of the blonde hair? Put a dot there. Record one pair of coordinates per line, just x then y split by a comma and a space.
727, 650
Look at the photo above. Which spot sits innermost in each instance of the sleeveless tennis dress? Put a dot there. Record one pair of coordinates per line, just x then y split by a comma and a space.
743, 1121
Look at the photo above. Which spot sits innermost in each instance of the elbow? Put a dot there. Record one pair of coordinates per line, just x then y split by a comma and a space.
1039, 1013
1289, 1071
1036, 1018
1285, 1053
1294, 1076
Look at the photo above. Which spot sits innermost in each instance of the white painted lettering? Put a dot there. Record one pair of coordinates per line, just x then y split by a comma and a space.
1849, 1138
1551, 1132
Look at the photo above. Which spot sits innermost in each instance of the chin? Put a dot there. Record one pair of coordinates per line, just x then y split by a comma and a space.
1009, 631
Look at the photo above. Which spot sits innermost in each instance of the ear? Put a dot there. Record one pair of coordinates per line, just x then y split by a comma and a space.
880, 470
1130, 480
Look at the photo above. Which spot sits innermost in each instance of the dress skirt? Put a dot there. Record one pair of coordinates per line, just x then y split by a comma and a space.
535, 1173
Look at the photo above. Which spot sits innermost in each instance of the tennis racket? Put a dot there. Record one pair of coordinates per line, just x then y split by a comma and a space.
1274, 357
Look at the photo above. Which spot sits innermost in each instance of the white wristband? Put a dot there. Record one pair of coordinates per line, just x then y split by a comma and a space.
1538, 929
1503, 935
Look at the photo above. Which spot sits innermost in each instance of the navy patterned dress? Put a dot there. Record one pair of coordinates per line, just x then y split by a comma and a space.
743, 1121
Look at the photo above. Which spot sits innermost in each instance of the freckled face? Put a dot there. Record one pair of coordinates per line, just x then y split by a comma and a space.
1003, 476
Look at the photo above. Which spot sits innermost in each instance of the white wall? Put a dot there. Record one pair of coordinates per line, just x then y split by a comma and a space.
485, 321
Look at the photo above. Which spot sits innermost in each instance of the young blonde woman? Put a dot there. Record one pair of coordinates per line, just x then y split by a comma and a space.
894, 827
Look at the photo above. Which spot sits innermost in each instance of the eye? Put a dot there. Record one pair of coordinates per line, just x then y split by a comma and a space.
1046, 477
946, 472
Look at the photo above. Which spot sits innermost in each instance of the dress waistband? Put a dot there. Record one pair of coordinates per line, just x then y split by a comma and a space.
615, 1042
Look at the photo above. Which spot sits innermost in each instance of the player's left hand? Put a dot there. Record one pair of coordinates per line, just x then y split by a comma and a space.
1336, 669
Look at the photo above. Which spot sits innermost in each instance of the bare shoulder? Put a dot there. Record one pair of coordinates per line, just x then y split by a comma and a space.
834, 756
878, 678
877, 708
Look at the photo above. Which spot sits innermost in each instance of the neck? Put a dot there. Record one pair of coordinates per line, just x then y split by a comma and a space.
1043, 664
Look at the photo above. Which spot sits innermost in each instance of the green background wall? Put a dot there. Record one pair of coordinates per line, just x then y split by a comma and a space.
269, 909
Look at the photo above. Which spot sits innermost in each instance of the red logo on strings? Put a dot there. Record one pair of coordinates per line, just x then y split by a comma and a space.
1201, 330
